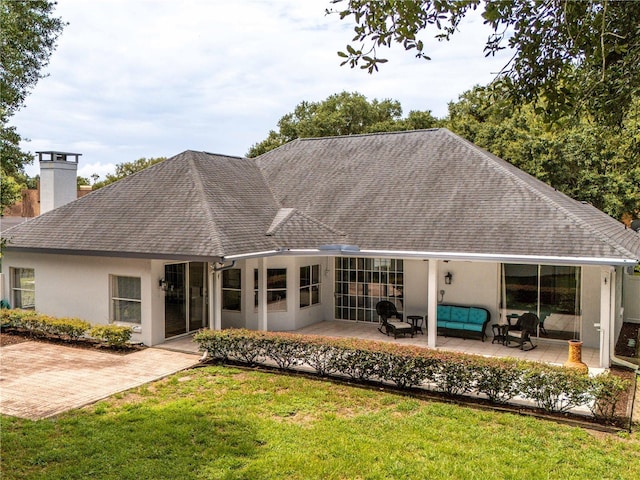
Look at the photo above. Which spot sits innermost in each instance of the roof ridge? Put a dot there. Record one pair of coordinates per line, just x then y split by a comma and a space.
235, 157
370, 134
281, 217
290, 212
501, 165
199, 185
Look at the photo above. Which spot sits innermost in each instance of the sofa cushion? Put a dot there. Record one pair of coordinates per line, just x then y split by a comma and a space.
473, 327
477, 315
442, 323
454, 325
459, 314
444, 313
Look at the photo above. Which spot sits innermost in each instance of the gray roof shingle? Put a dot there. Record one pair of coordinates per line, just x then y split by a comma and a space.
423, 191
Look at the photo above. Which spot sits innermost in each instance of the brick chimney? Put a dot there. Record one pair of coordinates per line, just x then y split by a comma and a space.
58, 179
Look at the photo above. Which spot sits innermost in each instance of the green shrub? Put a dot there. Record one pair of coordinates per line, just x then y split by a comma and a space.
552, 388
73, 328
499, 379
114, 335
555, 389
13, 317
606, 391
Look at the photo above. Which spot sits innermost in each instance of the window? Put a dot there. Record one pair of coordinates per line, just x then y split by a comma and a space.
23, 287
232, 289
361, 283
309, 285
276, 289
550, 291
126, 300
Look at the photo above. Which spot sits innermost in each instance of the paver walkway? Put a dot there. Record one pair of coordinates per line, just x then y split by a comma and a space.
39, 380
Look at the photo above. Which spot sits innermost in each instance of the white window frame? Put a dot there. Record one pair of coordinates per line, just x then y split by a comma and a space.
19, 288
231, 289
311, 286
279, 305
113, 299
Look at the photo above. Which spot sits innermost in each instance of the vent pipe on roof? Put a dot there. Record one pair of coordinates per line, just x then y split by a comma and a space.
58, 179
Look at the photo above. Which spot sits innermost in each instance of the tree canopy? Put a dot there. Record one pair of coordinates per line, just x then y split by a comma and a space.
570, 56
125, 169
341, 114
583, 159
29, 32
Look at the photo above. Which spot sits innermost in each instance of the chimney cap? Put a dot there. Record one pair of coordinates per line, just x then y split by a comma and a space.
51, 155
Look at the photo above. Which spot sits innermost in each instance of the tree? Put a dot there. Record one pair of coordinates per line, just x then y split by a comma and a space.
582, 158
9, 192
341, 114
570, 56
29, 32
125, 169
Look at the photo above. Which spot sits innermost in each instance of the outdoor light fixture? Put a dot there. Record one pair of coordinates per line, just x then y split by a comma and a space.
448, 277
162, 283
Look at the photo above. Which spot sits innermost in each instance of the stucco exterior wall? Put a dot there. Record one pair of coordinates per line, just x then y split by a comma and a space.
294, 317
78, 286
473, 284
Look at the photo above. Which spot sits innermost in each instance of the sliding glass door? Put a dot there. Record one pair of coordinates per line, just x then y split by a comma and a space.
552, 292
185, 301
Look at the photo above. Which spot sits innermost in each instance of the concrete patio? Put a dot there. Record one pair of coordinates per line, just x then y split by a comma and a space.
546, 351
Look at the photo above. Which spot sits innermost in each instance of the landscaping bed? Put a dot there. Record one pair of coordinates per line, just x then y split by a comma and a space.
503, 383
20, 325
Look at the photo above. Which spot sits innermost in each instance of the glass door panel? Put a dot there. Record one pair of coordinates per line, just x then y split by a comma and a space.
197, 296
552, 292
175, 300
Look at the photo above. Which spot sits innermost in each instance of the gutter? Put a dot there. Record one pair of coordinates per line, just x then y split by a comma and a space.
224, 267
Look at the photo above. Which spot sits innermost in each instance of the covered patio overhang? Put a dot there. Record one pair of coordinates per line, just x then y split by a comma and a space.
553, 353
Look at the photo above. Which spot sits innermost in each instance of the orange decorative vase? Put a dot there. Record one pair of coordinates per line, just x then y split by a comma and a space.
575, 357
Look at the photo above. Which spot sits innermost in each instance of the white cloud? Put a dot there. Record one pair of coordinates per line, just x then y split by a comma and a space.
141, 78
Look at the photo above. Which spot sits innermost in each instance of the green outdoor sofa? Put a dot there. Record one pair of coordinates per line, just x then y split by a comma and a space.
462, 321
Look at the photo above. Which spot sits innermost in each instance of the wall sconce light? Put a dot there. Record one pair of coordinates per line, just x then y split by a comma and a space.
162, 283
447, 278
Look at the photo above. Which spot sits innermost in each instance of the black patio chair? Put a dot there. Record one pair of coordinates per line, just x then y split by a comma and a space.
521, 332
391, 320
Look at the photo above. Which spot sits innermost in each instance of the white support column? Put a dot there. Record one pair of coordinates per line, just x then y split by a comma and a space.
432, 304
262, 294
215, 299
605, 316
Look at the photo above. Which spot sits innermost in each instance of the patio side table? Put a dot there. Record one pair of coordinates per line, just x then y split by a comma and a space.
416, 323
499, 333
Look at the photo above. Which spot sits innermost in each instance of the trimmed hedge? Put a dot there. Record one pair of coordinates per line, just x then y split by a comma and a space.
551, 388
114, 335
64, 327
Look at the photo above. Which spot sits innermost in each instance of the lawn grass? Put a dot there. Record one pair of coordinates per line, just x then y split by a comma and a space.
229, 423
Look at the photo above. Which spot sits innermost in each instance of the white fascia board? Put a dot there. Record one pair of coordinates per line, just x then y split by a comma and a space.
488, 257
246, 256
477, 257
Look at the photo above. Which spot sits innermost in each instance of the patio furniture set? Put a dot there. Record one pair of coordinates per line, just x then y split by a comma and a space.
459, 320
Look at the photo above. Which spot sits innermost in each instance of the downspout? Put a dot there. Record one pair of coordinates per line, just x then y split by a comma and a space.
224, 267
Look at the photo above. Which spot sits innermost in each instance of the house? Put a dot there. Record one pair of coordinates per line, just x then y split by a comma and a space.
322, 229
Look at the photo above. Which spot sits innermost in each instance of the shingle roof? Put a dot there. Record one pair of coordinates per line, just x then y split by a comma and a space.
192, 205
432, 191
423, 191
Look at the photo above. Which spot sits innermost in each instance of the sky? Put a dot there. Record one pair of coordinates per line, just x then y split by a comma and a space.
153, 78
